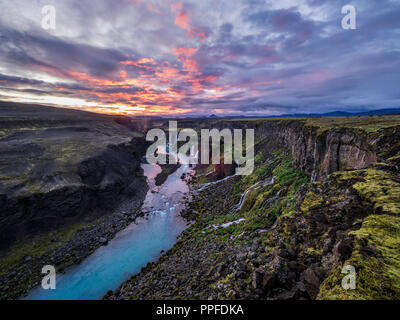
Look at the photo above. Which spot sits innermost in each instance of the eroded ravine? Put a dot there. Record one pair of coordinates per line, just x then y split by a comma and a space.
132, 248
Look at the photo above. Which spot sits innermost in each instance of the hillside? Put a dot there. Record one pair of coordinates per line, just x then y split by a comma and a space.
62, 173
325, 193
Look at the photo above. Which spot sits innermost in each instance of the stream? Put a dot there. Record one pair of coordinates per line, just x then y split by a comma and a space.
132, 248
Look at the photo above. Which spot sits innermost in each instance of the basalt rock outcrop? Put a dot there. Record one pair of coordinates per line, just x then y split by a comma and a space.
320, 150
319, 155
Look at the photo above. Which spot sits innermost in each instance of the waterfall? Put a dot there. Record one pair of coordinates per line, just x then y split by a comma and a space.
255, 186
215, 182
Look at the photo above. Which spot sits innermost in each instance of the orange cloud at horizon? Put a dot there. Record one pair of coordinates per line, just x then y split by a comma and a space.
144, 85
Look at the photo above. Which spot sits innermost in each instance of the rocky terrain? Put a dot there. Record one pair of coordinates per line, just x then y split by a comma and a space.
69, 180
325, 193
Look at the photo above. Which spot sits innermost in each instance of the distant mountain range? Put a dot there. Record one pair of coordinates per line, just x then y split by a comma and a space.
327, 114
379, 112
344, 114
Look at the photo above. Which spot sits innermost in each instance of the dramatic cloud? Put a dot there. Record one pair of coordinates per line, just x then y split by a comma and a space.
254, 57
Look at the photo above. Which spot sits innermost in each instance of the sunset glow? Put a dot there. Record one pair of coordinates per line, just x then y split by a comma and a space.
200, 57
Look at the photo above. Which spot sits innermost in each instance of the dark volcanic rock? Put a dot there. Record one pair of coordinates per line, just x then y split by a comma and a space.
70, 169
70, 165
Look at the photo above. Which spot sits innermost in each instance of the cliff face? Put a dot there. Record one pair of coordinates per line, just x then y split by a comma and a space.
98, 186
319, 155
321, 151
318, 151
69, 181
59, 167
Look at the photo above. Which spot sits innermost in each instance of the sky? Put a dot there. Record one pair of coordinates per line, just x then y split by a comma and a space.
201, 57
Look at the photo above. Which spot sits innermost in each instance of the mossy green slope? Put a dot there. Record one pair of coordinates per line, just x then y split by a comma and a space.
376, 254
258, 210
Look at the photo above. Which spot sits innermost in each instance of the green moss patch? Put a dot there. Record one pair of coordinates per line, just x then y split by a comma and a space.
38, 246
262, 206
376, 255
377, 273
380, 190
366, 124
310, 201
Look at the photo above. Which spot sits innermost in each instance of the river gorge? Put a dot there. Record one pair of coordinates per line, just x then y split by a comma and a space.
80, 196
132, 248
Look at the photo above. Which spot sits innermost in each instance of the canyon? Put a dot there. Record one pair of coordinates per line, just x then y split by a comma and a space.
321, 191
334, 201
